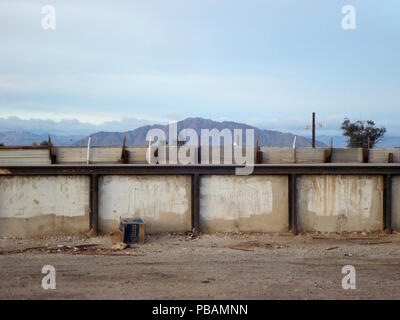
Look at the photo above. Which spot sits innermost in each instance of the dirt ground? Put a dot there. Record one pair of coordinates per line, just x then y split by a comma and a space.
210, 266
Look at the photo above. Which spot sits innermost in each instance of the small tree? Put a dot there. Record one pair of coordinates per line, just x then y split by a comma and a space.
360, 131
44, 143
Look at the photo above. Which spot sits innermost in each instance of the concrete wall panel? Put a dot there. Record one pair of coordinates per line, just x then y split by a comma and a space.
336, 203
33, 206
163, 202
244, 203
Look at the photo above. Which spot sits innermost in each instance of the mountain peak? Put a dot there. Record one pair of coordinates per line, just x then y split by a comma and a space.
137, 137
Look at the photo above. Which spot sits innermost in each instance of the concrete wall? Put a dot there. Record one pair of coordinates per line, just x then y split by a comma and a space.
244, 203
396, 203
33, 206
163, 202
41, 205
339, 203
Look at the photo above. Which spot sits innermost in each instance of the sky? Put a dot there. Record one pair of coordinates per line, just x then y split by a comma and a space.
117, 65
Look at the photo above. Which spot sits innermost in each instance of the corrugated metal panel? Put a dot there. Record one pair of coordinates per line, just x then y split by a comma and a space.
97, 154
219, 150
310, 155
137, 155
105, 154
379, 155
71, 154
277, 155
396, 155
351, 155
24, 157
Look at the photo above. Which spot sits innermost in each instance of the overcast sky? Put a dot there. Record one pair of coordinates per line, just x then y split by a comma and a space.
113, 65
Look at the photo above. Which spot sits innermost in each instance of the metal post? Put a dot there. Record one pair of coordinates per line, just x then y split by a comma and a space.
313, 129
292, 204
196, 202
94, 202
387, 203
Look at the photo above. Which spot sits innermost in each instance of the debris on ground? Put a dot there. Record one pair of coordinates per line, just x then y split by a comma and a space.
191, 235
377, 242
83, 249
119, 246
247, 245
243, 249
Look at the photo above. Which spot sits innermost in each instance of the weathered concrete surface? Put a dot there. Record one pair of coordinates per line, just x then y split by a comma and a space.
163, 202
244, 203
396, 203
339, 203
33, 206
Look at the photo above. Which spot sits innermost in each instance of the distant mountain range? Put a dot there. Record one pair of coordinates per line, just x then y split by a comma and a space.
27, 138
137, 137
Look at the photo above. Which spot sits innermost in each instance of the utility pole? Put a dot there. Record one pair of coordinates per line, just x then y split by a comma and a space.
313, 129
